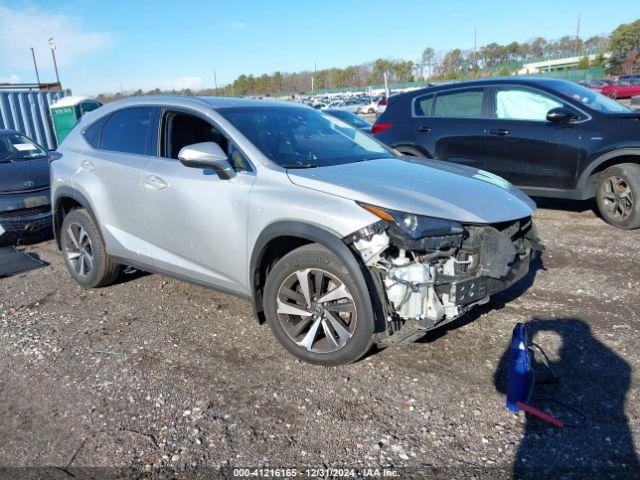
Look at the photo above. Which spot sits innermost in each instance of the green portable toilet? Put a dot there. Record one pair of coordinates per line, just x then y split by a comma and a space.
66, 112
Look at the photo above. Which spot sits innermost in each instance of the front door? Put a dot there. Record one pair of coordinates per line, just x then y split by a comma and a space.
197, 221
526, 149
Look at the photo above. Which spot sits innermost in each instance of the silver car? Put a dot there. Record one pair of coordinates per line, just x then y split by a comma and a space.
339, 242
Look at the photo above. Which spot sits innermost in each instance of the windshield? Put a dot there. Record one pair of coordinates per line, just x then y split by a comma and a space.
591, 99
16, 147
303, 138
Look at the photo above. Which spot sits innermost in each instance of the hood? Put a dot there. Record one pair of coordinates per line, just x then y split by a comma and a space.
24, 175
423, 187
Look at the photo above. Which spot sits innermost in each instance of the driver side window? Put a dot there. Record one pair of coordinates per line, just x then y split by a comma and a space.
181, 129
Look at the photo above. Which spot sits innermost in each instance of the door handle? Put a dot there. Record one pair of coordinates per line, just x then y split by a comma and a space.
155, 182
86, 165
423, 128
501, 132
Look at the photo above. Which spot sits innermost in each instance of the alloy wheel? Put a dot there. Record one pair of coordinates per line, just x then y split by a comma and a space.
617, 198
79, 250
316, 310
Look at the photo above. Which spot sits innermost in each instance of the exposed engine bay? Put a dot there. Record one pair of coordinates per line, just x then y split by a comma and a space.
433, 279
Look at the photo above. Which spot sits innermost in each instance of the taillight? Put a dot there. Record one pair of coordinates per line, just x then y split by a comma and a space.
380, 127
53, 155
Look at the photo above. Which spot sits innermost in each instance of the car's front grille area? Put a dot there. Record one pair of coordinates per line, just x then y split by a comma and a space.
26, 212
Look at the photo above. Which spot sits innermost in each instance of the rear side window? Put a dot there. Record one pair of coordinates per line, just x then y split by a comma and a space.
126, 130
424, 106
461, 103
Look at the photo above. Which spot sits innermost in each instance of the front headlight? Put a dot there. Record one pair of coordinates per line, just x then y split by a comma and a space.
416, 226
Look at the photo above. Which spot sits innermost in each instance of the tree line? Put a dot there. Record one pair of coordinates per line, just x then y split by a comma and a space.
492, 58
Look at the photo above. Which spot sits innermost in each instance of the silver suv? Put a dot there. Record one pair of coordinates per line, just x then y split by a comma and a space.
338, 241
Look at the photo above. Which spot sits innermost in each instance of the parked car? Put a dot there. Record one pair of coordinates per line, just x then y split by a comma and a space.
337, 241
25, 204
549, 137
348, 105
629, 76
625, 88
370, 106
349, 117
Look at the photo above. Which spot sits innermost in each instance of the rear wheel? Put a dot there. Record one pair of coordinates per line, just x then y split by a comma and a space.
316, 309
84, 251
613, 95
618, 195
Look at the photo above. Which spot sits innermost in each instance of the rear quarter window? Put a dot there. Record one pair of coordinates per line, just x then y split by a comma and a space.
424, 106
92, 132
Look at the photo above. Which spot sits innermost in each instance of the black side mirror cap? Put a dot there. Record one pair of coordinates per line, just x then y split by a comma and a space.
561, 115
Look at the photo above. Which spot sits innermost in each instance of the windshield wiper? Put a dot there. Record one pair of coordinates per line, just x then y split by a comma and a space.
298, 165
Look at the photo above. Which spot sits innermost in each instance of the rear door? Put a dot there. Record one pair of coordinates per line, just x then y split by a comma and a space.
525, 148
110, 174
449, 125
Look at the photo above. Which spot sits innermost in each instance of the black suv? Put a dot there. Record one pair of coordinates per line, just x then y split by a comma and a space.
549, 137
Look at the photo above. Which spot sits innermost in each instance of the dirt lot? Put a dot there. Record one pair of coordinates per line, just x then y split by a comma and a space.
157, 375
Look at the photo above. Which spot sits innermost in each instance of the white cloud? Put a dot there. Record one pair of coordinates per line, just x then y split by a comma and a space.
12, 78
237, 24
32, 27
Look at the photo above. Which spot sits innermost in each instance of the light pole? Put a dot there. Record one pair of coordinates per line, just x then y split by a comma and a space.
35, 65
52, 46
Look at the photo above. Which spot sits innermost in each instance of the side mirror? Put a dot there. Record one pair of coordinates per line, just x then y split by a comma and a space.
561, 115
207, 155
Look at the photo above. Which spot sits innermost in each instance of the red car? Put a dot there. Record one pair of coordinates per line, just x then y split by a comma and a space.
622, 88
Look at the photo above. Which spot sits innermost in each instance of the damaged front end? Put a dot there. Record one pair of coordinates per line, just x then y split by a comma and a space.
430, 271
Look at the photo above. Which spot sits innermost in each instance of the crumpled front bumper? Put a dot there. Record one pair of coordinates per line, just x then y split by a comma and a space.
471, 290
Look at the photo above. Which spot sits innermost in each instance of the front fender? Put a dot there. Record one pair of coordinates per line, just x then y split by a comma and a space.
316, 234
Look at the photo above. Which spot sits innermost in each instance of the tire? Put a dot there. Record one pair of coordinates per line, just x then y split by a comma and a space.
371, 110
84, 252
618, 196
319, 338
613, 95
411, 152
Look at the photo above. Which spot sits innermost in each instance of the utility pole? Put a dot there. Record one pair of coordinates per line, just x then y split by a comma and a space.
35, 65
577, 34
215, 82
52, 46
475, 48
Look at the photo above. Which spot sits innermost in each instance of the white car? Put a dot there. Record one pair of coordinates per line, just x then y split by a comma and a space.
370, 107
350, 105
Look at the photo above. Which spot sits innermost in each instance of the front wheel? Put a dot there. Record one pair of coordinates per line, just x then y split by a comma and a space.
316, 309
613, 95
618, 195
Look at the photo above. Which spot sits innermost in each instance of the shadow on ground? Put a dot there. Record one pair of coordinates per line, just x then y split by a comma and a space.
596, 441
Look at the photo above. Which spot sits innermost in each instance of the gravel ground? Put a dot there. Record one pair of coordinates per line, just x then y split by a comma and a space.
155, 375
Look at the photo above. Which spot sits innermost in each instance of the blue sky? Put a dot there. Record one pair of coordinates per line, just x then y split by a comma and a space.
108, 45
